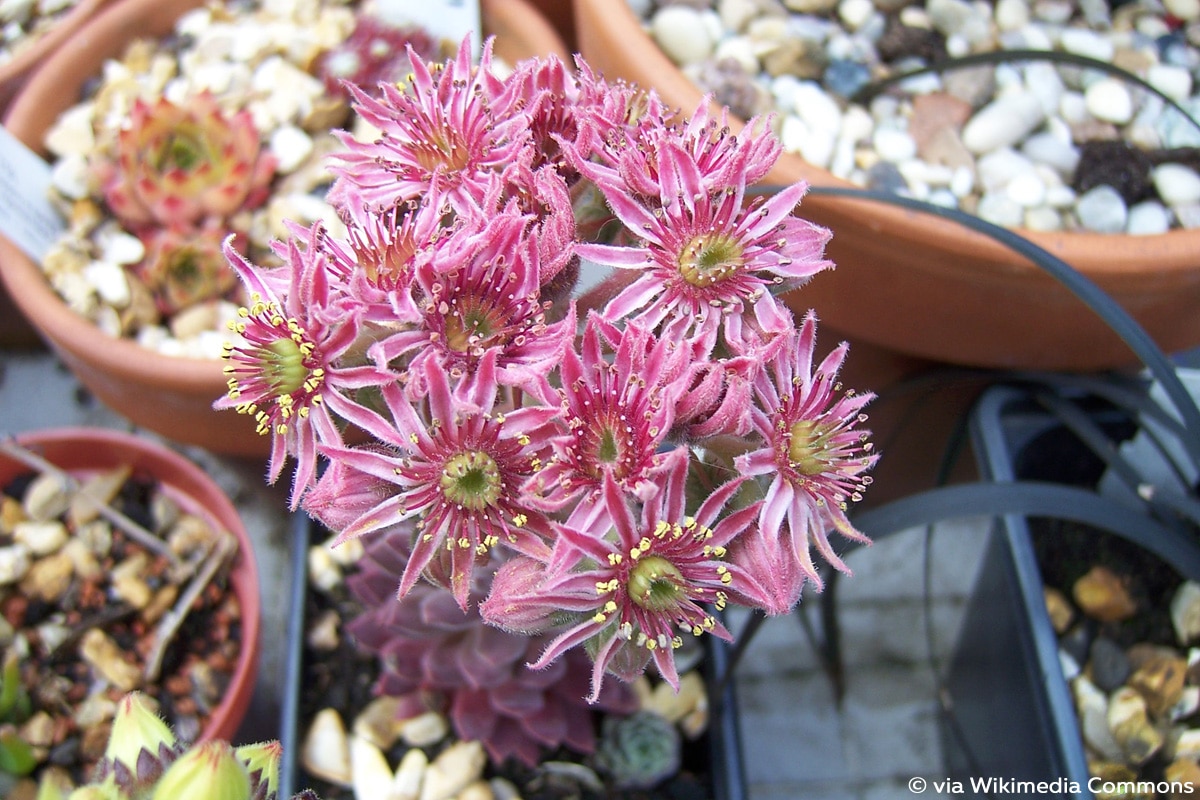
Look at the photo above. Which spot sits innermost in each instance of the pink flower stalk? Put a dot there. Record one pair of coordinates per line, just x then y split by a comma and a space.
707, 255
285, 370
814, 453
631, 594
458, 469
614, 414
447, 129
480, 299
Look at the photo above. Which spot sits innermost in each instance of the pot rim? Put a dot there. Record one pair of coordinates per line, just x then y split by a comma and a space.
1113, 256
86, 448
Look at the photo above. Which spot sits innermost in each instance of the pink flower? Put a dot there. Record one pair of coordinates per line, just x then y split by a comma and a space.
631, 594
479, 296
814, 453
706, 254
458, 469
285, 370
447, 129
614, 414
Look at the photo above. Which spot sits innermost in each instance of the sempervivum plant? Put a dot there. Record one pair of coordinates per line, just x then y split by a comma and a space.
144, 761
178, 165
552, 484
435, 655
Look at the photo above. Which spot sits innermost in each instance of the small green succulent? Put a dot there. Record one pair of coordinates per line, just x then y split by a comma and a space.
638, 751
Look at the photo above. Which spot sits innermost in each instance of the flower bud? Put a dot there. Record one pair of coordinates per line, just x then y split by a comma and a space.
262, 763
135, 728
209, 771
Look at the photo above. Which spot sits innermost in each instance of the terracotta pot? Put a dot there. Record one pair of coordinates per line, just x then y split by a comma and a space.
14, 73
927, 287
172, 396
81, 451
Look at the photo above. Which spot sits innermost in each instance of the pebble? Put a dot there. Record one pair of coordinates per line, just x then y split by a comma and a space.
1102, 210
424, 729
1108, 664
1160, 683
406, 785
104, 656
1091, 704
371, 775
1147, 219
1109, 100
42, 538
1000, 209
1176, 184
1003, 123
1185, 613
682, 34
1132, 730
326, 750
455, 768
15, 562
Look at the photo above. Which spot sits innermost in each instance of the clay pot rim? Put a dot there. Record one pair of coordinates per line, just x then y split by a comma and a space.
105, 36
88, 448
12, 71
1116, 256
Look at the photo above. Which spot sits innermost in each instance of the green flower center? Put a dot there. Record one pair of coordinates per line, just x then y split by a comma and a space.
471, 323
283, 367
656, 584
471, 480
709, 259
605, 447
808, 448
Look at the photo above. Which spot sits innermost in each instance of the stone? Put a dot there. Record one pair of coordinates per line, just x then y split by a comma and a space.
1177, 184
424, 729
371, 777
479, 790
410, 774
999, 209
933, 113
1109, 100
1102, 210
1003, 122
1026, 190
893, 146
323, 634
1108, 665
1185, 613
72, 133
108, 661
1131, 727
455, 768
1173, 81
42, 538
1088, 43
48, 578
93, 493
674, 706
326, 750
1057, 153
682, 34
1160, 682
1091, 705
946, 148
46, 498
1186, 10
1148, 219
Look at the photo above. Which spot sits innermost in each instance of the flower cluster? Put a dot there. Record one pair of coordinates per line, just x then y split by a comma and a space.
615, 471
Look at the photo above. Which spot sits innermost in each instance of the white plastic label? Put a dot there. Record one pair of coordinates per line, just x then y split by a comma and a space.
444, 19
26, 215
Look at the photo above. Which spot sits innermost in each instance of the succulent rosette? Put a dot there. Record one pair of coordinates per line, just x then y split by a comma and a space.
544, 482
180, 164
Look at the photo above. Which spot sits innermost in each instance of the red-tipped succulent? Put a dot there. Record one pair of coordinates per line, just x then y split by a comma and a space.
178, 165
